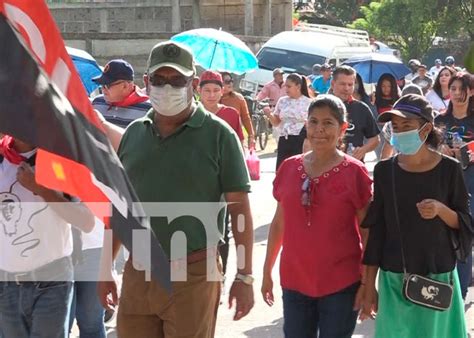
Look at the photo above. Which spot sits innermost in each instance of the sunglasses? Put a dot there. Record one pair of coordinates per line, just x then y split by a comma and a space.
177, 81
110, 85
306, 192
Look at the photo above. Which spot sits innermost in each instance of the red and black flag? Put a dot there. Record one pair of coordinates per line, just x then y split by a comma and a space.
43, 103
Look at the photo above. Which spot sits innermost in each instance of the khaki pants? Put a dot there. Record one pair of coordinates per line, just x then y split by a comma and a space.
147, 311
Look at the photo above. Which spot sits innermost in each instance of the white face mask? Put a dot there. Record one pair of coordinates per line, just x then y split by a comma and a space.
169, 101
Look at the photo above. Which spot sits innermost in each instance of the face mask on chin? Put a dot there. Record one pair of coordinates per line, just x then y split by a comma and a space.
169, 101
408, 142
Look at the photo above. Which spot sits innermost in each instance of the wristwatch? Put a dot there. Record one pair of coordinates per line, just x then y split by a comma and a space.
246, 279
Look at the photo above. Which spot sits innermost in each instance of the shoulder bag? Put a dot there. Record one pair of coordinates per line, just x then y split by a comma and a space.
421, 290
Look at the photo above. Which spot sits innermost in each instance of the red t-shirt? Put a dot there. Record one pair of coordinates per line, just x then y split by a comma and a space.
324, 257
232, 117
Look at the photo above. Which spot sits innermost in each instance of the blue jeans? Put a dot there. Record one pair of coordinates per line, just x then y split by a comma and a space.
465, 269
332, 316
36, 309
86, 307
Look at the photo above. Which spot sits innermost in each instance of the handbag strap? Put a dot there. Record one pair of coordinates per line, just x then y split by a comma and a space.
397, 220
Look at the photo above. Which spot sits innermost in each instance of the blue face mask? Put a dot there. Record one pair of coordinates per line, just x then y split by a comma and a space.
408, 142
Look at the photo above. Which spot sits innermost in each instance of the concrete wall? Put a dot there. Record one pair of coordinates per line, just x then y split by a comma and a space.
128, 30
249, 17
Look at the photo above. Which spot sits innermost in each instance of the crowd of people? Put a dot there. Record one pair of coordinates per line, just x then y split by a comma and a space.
181, 139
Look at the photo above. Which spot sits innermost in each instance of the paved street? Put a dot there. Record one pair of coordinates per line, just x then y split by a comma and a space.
266, 321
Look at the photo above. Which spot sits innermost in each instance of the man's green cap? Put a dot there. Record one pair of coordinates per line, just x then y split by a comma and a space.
173, 55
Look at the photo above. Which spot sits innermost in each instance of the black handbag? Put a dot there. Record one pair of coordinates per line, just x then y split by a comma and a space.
421, 290
428, 292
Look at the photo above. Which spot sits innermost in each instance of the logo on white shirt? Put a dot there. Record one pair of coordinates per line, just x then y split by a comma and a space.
10, 214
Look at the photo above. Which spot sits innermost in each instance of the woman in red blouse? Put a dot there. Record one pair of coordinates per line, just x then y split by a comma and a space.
322, 197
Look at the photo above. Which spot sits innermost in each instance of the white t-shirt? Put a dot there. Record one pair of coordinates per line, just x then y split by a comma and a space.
95, 238
434, 72
410, 77
437, 102
292, 113
31, 233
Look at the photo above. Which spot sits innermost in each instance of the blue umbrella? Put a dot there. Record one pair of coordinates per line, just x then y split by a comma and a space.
218, 50
86, 66
372, 66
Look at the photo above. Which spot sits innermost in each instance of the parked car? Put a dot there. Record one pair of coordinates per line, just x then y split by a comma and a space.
298, 50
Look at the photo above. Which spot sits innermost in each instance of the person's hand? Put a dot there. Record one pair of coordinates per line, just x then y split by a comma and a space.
358, 153
359, 298
242, 294
267, 290
251, 142
26, 176
267, 111
429, 208
99, 116
456, 152
369, 303
107, 291
471, 155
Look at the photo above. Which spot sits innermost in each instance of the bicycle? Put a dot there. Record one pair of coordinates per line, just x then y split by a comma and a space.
260, 121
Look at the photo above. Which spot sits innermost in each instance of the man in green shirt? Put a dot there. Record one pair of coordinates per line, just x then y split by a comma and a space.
180, 153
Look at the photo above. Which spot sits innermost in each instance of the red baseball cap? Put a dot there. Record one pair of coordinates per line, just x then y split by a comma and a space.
210, 76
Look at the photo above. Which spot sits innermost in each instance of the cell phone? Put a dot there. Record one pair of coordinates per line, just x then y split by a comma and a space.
467, 154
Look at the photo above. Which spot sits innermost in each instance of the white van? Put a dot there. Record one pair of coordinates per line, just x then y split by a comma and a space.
298, 50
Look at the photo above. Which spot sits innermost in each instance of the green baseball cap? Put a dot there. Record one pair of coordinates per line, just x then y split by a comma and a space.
171, 54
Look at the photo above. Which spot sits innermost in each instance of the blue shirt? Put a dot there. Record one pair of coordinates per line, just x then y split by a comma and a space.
320, 85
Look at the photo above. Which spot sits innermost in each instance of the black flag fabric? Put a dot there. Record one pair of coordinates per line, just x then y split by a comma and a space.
39, 107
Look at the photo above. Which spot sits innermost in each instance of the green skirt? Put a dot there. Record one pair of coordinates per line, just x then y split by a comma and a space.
399, 318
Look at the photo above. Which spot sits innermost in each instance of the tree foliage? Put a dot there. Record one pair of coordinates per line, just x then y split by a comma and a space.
459, 19
369, 20
334, 12
412, 25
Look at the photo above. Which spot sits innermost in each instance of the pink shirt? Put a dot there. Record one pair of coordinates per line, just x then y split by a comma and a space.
325, 256
273, 91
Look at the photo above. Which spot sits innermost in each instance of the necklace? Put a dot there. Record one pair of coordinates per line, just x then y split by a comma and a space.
310, 169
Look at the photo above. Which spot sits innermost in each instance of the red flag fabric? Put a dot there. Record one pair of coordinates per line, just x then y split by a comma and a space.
38, 29
43, 103
34, 22
7, 150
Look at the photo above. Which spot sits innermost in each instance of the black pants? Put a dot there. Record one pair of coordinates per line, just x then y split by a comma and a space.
287, 147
